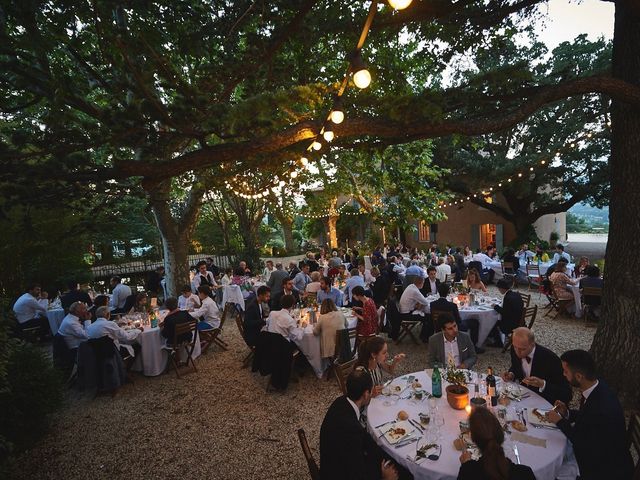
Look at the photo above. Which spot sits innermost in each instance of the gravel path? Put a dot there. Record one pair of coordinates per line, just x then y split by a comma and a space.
217, 423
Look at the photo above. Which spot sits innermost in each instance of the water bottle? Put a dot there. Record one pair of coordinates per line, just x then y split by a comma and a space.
436, 383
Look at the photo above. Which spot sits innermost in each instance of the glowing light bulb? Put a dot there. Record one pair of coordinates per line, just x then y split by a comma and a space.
328, 135
294, 174
304, 161
362, 78
400, 4
337, 116
316, 145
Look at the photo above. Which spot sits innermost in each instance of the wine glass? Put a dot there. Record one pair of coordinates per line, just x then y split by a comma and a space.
433, 404
439, 423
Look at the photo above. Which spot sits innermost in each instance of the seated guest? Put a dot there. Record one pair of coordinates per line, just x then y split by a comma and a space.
314, 286
537, 367
367, 314
560, 253
510, 257
347, 450
208, 312
74, 325
481, 262
541, 256
203, 277
488, 435
467, 254
443, 269
226, 278
344, 256
581, 267
188, 301
311, 261
302, 279
281, 321
450, 346
458, 259
293, 270
560, 282
592, 280
212, 267
431, 283
29, 313
335, 261
474, 282
329, 322
413, 271
470, 325
372, 356
275, 280
99, 301
398, 266
104, 327
412, 307
597, 429
246, 271
343, 274
511, 309
381, 288
254, 315
366, 275
355, 280
524, 253
119, 294
135, 303
74, 294
286, 289
327, 291
173, 318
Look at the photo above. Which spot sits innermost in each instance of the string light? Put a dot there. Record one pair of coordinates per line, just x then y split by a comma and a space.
400, 4
337, 113
361, 76
316, 145
304, 161
328, 134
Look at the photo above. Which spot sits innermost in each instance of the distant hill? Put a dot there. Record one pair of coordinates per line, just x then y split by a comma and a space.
591, 214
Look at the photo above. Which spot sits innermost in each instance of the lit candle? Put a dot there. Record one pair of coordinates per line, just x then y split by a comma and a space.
468, 409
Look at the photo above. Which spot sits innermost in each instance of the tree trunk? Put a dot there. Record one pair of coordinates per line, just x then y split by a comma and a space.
287, 231
333, 232
617, 342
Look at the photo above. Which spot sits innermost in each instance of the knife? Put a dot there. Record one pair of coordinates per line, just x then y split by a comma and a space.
416, 424
515, 450
407, 442
383, 424
524, 414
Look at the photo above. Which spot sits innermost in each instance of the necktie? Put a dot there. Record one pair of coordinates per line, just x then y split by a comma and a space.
528, 359
582, 400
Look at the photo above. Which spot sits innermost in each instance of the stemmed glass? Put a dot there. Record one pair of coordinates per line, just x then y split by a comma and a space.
439, 423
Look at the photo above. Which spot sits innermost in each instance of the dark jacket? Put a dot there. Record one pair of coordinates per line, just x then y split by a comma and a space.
545, 365
597, 432
347, 451
426, 288
510, 312
169, 326
380, 290
275, 281
444, 305
253, 322
273, 355
275, 301
74, 296
473, 470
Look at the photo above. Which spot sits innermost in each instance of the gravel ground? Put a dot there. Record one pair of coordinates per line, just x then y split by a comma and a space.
217, 423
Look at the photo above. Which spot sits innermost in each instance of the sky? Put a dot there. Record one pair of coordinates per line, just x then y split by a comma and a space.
566, 20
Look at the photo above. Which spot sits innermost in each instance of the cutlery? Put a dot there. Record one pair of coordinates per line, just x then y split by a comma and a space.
406, 442
515, 450
383, 424
524, 415
415, 460
417, 425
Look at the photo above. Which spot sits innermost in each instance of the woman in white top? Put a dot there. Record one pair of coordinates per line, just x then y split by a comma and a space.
226, 278
314, 285
329, 322
373, 355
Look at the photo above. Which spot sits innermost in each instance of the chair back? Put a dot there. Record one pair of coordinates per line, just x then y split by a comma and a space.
434, 318
507, 268
342, 371
526, 299
103, 347
240, 325
533, 270
343, 351
314, 471
529, 316
181, 329
591, 295
477, 265
450, 278
62, 357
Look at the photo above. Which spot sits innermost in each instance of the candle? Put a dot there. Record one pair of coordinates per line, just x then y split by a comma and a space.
468, 409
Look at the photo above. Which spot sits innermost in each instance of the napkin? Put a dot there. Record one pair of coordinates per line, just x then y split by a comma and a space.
524, 438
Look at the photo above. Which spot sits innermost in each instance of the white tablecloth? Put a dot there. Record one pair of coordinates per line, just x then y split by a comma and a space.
575, 289
545, 462
152, 359
55, 317
497, 267
233, 294
486, 315
309, 345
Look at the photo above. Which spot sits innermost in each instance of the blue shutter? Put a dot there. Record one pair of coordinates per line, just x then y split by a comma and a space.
499, 237
475, 237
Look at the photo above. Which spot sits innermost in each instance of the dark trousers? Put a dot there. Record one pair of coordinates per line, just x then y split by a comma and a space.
487, 275
472, 326
39, 322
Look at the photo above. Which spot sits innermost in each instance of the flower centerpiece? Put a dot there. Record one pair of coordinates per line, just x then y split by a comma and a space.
457, 391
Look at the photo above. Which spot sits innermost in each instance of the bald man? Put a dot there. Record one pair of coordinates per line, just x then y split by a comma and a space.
537, 367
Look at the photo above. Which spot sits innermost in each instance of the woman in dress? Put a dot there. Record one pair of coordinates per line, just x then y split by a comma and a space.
468, 254
488, 435
372, 355
329, 322
474, 282
581, 268
560, 283
367, 314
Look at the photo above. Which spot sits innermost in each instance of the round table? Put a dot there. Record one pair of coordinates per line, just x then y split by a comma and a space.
545, 462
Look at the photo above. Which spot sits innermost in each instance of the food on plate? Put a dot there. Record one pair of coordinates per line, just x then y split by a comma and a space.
402, 415
539, 415
417, 385
504, 400
458, 443
518, 425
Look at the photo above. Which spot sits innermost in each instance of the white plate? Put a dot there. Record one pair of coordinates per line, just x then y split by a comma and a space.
397, 431
533, 419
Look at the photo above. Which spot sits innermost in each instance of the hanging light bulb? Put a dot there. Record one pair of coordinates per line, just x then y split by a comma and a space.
316, 145
293, 174
399, 4
304, 161
282, 183
328, 134
361, 76
337, 113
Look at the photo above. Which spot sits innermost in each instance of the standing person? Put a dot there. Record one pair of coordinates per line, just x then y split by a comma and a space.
203, 277
29, 312
119, 294
212, 267
597, 429
254, 315
347, 451
74, 294
268, 270
367, 314
488, 435
154, 281
275, 281
560, 253
329, 322
293, 270
302, 279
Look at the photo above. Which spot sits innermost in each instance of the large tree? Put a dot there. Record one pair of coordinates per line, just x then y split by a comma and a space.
173, 87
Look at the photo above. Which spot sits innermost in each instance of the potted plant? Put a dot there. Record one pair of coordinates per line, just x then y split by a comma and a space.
553, 239
457, 391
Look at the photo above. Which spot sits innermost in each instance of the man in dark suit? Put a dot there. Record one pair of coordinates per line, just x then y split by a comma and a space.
173, 318
293, 270
347, 451
74, 294
470, 325
511, 309
276, 278
597, 429
253, 316
431, 283
537, 367
287, 289
450, 345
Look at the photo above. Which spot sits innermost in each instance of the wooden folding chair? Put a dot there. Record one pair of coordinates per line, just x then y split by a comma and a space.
509, 272
533, 277
633, 439
450, 278
314, 471
342, 371
176, 348
588, 294
406, 328
212, 336
526, 299
557, 305
527, 320
247, 360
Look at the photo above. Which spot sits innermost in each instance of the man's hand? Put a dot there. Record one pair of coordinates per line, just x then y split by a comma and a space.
533, 381
508, 376
388, 470
561, 408
552, 416
377, 390
465, 457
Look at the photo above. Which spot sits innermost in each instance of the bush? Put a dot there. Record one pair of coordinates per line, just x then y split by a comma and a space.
30, 391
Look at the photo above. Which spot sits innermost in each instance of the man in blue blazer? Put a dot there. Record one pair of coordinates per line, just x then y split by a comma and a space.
597, 428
